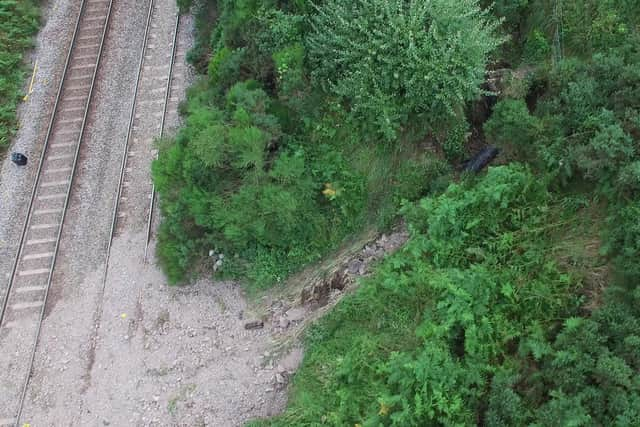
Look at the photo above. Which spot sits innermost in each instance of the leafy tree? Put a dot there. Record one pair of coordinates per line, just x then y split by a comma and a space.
394, 61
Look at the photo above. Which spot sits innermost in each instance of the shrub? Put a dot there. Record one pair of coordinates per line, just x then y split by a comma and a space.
224, 68
393, 61
536, 47
623, 241
513, 128
607, 150
289, 68
455, 142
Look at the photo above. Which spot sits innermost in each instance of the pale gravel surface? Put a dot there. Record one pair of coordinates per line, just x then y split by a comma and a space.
176, 356
145, 354
16, 184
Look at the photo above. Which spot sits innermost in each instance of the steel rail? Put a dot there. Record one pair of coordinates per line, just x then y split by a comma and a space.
40, 166
69, 188
125, 154
164, 115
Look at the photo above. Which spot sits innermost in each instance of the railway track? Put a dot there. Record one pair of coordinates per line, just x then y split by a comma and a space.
174, 97
23, 305
149, 111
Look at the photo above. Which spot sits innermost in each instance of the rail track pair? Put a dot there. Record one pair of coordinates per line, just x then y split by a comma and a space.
22, 308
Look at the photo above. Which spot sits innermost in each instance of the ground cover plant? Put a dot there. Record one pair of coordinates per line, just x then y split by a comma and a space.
18, 24
472, 322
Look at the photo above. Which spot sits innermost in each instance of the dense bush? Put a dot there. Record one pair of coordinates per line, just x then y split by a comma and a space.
18, 23
513, 128
267, 214
393, 61
472, 322
274, 171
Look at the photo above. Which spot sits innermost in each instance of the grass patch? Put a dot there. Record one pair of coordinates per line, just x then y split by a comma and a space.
19, 21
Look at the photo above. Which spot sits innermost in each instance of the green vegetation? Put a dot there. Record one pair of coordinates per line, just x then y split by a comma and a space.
18, 24
475, 322
387, 58
515, 301
285, 154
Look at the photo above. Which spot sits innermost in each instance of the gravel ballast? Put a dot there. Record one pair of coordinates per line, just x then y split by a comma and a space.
16, 183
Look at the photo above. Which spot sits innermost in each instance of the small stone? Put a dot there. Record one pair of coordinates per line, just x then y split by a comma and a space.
280, 379
156, 398
355, 266
283, 322
296, 314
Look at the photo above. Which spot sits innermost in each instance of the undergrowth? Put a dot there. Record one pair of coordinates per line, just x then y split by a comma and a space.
515, 302
281, 160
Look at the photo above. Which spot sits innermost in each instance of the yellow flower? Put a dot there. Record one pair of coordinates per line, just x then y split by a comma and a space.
384, 409
329, 191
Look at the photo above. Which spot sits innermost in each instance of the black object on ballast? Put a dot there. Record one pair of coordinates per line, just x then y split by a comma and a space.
482, 159
19, 159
